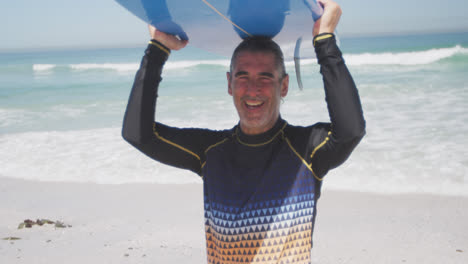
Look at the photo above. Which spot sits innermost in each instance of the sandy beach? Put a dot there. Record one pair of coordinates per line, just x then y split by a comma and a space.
154, 223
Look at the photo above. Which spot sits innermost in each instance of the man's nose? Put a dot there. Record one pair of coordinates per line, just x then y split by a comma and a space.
253, 87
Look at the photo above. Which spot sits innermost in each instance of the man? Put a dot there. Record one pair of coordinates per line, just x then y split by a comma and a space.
262, 178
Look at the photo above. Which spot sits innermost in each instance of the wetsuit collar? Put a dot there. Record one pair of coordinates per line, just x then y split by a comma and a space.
263, 138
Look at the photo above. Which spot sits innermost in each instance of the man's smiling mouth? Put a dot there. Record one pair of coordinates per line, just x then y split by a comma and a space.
252, 104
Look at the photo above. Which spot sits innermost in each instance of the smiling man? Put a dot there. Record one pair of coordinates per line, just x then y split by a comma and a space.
257, 81
262, 178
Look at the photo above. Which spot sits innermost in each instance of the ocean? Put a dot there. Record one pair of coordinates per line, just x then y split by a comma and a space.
61, 113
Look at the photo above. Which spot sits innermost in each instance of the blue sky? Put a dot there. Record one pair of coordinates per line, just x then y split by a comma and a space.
34, 24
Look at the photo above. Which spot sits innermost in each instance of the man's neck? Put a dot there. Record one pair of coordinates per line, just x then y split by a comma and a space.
252, 131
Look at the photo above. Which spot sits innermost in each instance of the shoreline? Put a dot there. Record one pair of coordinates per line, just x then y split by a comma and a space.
163, 223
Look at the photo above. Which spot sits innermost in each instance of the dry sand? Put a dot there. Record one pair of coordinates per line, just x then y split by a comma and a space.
152, 223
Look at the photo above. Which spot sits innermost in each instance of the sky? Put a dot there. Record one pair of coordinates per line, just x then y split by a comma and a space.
38, 24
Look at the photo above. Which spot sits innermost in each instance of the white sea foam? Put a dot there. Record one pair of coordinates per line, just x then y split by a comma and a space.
119, 67
11, 117
171, 65
98, 155
132, 67
43, 67
387, 58
60, 116
395, 58
102, 156
404, 58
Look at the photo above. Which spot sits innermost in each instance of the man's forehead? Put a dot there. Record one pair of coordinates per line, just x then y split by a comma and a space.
250, 54
253, 59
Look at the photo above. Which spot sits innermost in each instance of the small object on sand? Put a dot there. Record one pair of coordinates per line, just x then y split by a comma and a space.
59, 224
29, 223
11, 238
40, 222
459, 250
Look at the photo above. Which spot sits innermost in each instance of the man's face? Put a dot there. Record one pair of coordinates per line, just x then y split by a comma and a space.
257, 85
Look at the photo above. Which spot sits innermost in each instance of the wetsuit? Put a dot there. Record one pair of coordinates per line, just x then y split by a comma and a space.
261, 191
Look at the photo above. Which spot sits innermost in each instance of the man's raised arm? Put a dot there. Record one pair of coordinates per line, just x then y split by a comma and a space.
139, 116
344, 106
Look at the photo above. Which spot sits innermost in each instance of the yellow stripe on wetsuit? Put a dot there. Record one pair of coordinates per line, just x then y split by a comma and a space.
322, 36
174, 144
167, 51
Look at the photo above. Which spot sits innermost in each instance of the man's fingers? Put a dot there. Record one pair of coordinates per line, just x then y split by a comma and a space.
170, 41
330, 18
152, 31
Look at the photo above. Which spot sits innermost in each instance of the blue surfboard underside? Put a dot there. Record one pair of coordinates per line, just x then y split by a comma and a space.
219, 25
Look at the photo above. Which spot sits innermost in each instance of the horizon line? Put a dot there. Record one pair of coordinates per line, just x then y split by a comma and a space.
138, 45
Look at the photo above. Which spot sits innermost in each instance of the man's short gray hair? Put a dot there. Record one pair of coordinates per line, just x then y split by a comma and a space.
261, 44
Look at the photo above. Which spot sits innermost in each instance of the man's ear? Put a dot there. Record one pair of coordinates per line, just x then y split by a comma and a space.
228, 76
285, 85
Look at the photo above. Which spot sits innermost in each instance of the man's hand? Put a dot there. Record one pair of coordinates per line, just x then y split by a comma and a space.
330, 18
170, 41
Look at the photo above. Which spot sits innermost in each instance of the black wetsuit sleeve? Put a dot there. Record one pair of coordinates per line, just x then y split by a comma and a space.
182, 148
139, 115
344, 107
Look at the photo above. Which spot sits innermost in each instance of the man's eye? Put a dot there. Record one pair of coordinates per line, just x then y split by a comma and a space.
265, 80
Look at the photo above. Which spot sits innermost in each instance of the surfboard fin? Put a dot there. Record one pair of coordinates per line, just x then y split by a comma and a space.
297, 62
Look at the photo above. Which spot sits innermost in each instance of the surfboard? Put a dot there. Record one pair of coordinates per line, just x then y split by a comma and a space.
219, 25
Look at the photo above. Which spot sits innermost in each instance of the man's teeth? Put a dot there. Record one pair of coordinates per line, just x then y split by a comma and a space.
254, 103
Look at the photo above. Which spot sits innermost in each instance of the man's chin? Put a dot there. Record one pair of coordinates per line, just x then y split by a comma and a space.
255, 126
